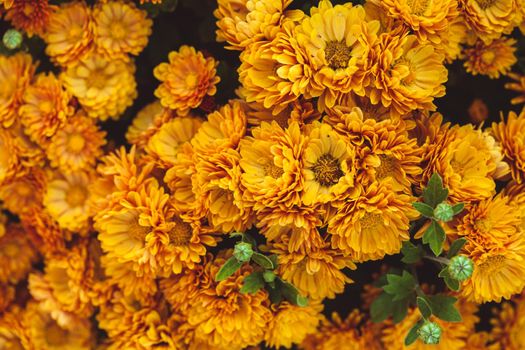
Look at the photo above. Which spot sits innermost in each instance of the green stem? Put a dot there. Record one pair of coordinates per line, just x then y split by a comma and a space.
418, 289
438, 259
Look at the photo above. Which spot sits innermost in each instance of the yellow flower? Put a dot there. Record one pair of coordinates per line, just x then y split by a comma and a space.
13, 334
45, 108
164, 144
508, 325
452, 39
31, 16
493, 60
186, 79
9, 156
290, 324
404, 73
17, 254
511, 135
328, 166
7, 3
104, 88
301, 111
242, 22
337, 40
147, 122
517, 85
77, 145
25, 193
69, 33
317, 274
489, 19
120, 29
66, 200
374, 224
16, 73
496, 246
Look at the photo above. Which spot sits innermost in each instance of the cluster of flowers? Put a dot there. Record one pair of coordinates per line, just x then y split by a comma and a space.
331, 139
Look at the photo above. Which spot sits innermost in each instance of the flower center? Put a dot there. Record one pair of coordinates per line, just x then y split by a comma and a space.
273, 170
28, 10
370, 221
483, 225
55, 336
76, 143
180, 234
137, 231
387, 166
22, 189
327, 170
97, 79
488, 57
484, 4
418, 7
75, 31
10, 250
76, 196
492, 264
192, 80
337, 54
117, 31
46, 107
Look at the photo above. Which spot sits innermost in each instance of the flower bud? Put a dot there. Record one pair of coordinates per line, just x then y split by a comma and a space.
12, 39
430, 333
243, 251
269, 276
444, 212
460, 267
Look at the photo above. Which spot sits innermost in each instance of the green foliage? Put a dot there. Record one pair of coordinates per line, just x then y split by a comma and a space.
400, 287
384, 306
451, 282
229, 268
413, 334
263, 261
424, 307
411, 253
252, 283
455, 247
443, 307
424, 209
434, 193
435, 237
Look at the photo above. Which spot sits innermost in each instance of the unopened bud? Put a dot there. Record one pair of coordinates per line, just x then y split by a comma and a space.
444, 212
430, 333
460, 267
243, 251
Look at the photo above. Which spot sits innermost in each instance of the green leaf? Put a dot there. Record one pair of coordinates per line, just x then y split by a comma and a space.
413, 334
400, 310
229, 268
291, 294
263, 261
451, 282
400, 286
252, 283
249, 239
434, 193
425, 209
443, 307
411, 253
275, 260
424, 307
381, 307
458, 208
455, 247
276, 296
435, 237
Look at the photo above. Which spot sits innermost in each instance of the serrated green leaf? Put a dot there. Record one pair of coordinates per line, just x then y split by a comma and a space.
455, 247
252, 283
424, 307
400, 286
413, 333
424, 209
381, 307
435, 237
451, 282
229, 268
443, 307
411, 253
263, 261
458, 208
434, 193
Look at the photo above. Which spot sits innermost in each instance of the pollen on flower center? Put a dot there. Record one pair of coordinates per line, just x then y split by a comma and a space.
97, 79
137, 231
180, 234
484, 4
337, 54
387, 166
370, 221
11, 250
488, 57
492, 264
76, 143
272, 170
418, 7
55, 336
76, 196
327, 170
483, 225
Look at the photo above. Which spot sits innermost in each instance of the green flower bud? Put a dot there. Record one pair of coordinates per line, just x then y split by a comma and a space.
430, 333
12, 39
460, 267
269, 276
444, 212
243, 251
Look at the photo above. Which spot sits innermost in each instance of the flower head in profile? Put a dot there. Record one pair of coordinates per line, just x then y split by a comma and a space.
31, 16
186, 79
493, 60
518, 85
511, 135
508, 325
25, 193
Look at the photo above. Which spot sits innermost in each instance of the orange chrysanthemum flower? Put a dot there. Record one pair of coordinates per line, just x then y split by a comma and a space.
518, 85
496, 246
69, 33
186, 79
511, 135
25, 193
508, 325
121, 29
9, 156
493, 60
147, 122
77, 145
16, 73
31, 16
7, 3
17, 254
103, 88
372, 225
45, 108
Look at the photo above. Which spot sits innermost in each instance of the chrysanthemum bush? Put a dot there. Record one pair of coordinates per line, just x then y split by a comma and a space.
299, 167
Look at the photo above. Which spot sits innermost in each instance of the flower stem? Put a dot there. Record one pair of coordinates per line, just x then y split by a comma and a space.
438, 259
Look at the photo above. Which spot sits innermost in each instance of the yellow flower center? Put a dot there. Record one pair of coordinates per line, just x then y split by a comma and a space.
327, 170
418, 7
370, 221
23, 190
117, 31
484, 4
180, 234
488, 57
492, 264
10, 250
137, 231
46, 107
270, 169
28, 10
55, 336
337, 54
192, 80
75, 31
76, 196
76, 143
97, 79
483, 225
387, 166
